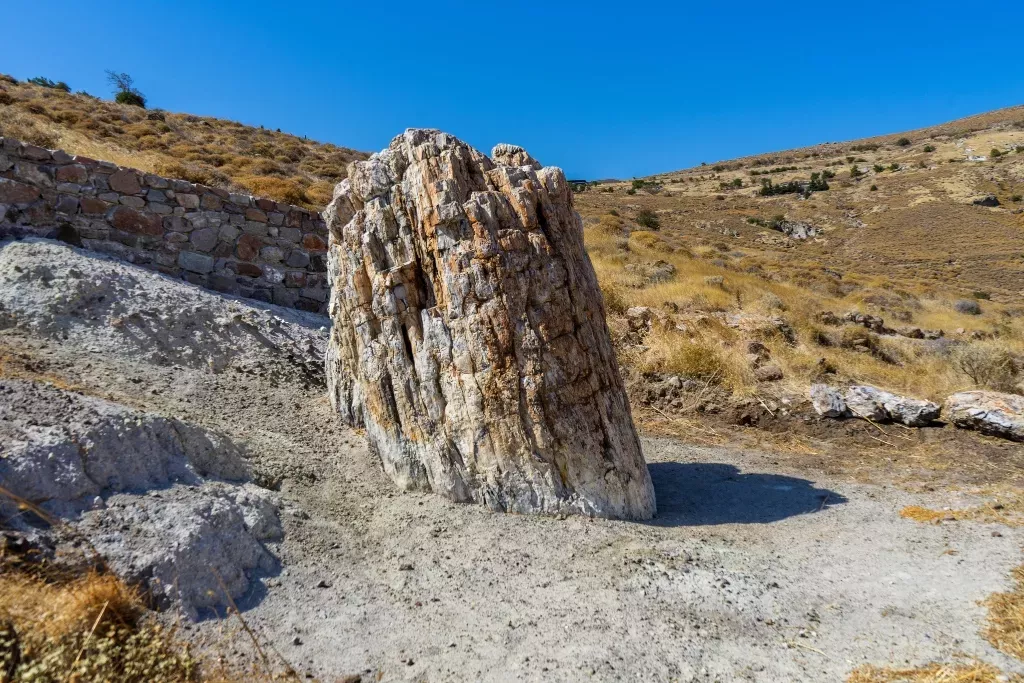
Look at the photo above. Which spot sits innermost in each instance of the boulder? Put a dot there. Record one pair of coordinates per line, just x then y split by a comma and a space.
883, 406
469, 333
986, 200
988, 412
873, 404
798, 230
827, 402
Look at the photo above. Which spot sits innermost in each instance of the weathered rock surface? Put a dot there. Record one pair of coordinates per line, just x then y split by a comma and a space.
827, 402
989, 412
798, 230
469, 334
873, 404
109, 307
165, 503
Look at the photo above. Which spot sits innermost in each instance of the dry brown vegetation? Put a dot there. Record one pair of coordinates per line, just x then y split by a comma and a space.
83, 627
1005, 628
200, 149
972, 672
906, 253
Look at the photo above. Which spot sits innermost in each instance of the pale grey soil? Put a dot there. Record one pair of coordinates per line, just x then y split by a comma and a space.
749, 572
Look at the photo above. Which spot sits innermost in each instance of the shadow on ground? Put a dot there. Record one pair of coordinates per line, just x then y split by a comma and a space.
693, 494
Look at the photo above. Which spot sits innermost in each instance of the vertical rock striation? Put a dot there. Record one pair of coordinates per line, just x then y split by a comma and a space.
469, 335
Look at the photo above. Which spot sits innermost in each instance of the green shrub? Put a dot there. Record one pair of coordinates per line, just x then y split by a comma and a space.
894, 167
929, 148
995, 153
125, 92
874, 188
637, 184
631, 191
903, 142
855, 172
648, 219
878, 168
47, 83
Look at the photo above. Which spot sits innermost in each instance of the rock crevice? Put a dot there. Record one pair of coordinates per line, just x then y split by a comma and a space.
469, 334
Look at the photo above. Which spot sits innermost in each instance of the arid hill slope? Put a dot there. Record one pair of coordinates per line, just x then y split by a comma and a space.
201, 149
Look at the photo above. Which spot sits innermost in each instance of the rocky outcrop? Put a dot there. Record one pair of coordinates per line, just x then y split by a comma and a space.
872, 404
167, 504
988, 412
798, 230
469, 334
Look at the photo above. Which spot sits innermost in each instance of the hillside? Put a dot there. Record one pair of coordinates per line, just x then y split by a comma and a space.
900, 238
200, 149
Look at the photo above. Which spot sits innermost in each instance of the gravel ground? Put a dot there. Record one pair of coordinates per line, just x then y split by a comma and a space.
751, 571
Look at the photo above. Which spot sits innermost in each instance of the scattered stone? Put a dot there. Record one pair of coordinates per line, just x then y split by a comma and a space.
986, 200
653, 273
768, 373
988, 412
469, 334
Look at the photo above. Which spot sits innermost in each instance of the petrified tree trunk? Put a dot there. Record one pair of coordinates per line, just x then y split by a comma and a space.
469, 335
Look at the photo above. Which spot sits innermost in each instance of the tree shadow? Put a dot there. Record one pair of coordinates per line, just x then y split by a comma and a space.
697, 494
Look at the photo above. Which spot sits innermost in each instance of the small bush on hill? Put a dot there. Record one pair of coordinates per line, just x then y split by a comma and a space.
967, 307
47, 83
988, 366
126, 92
648, 219
903, 142
929, 148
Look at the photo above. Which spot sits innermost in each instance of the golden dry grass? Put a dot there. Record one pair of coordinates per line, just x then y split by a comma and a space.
1009, 513
973, 672
200, 149
84, 629
703, 285
1005, 627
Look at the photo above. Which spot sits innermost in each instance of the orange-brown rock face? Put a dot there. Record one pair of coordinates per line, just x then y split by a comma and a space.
469, 335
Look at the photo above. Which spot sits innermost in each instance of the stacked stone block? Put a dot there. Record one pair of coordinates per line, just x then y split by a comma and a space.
228, 242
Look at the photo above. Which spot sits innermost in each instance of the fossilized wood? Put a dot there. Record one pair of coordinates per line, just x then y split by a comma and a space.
469, 335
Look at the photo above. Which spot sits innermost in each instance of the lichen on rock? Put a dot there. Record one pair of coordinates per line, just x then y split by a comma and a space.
469, 333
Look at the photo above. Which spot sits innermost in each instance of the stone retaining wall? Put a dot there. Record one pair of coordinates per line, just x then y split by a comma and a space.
228, 242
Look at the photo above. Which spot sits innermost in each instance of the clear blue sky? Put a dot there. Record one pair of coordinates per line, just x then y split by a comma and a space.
602, 89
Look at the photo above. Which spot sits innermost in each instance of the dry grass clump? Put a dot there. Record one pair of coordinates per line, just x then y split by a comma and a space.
84, 629
204, 150
1005, 629
1008, 511
973, 672
989, 365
